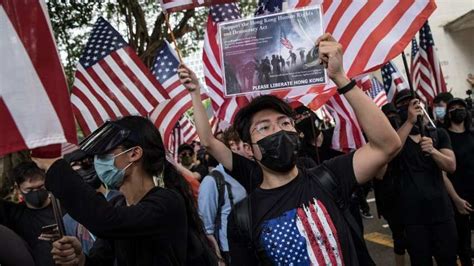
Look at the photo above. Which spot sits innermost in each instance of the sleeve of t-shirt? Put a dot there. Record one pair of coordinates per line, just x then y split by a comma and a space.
342, 170
240, 253
444, 142
207, 203
246, 172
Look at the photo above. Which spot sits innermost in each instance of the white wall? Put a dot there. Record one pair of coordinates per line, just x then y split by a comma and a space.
455, 50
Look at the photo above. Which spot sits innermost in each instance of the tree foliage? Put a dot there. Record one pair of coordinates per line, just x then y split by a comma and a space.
141, 22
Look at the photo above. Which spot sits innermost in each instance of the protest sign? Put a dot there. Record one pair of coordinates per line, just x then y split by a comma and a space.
271, 52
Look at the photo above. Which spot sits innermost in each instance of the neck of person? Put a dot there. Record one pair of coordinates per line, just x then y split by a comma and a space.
136, 186
273, 179
457, 128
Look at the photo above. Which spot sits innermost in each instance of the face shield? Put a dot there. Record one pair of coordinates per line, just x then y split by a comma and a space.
105, 138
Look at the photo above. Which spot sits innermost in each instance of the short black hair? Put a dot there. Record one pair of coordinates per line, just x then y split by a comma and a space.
243, 119
25, 170
185, 147
443, 97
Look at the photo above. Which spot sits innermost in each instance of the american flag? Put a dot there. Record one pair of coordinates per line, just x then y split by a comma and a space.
284, 40
377, 93
168, 113
35, 109
111, 81
302, 236
393, 80
347, 132
188, 130
212, 62
426, 69
176, 138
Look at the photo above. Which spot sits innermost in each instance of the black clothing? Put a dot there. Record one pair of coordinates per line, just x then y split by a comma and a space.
281, 218
152, 232
463, 177
27, 223
426, 241
464, 236
424, 198
463, 182
387, 199
201, 169
393, 219
325, 151
13, 249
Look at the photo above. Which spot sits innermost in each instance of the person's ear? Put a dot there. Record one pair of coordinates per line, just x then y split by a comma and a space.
136, 154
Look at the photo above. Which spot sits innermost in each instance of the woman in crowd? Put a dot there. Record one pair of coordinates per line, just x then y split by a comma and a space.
460, 184
150, 225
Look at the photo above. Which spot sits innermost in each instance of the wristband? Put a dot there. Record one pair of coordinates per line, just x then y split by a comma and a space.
349, 86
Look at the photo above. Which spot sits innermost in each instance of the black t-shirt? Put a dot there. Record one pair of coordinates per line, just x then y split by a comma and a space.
152, 232
424, 198
463, 177
27, 223
298, 222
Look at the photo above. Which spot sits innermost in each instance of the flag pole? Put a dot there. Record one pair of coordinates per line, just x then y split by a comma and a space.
173, 39
412, 90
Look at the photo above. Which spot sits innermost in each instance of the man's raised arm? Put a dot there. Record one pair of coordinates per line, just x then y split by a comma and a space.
384, 142
216, 148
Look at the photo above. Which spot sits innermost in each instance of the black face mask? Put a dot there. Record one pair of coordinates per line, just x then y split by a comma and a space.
36, 198
458, 115
279, 151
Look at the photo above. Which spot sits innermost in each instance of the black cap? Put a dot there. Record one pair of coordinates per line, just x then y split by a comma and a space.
456, 101
389, 108
185, 147
403, 95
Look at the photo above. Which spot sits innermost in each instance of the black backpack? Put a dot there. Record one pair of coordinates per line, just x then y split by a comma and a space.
243, 220
221, 185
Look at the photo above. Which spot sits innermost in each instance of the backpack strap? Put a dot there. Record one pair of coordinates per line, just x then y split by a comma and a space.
221, 185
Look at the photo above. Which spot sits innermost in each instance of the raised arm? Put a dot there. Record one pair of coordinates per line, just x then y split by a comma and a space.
91, 209
216, 148
384, 142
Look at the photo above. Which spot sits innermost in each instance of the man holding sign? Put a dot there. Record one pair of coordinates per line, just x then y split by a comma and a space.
291, 215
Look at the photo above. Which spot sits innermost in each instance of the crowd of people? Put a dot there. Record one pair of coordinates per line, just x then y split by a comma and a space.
269, 190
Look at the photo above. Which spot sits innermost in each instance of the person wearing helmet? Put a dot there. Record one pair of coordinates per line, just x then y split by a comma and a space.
149, 224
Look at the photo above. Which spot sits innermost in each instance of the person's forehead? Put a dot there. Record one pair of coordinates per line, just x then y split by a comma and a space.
266, 114
441, 104
33, 181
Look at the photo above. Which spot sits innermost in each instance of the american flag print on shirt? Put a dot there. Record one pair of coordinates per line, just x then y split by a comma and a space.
302, 236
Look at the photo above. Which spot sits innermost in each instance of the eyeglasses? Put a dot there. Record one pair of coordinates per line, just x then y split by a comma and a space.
266, 128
